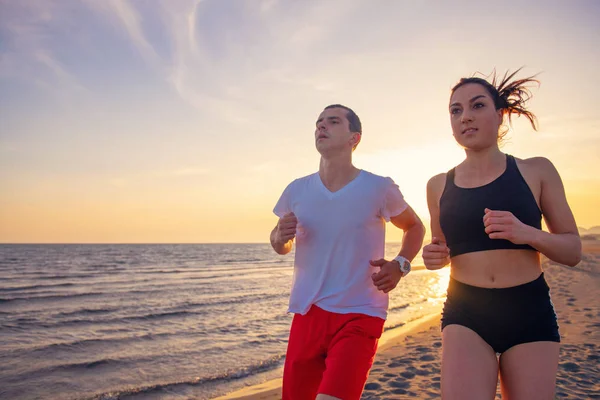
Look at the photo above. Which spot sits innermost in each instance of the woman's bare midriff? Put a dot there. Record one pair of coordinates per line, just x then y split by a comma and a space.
496, 268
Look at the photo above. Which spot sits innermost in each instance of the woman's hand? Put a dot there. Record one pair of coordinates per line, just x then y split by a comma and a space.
436, 254
504, 225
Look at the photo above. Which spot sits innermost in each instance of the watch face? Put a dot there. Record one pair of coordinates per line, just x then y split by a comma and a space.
405, 267
404, 264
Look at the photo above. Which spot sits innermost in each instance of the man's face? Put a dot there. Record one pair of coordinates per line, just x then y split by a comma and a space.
332, 133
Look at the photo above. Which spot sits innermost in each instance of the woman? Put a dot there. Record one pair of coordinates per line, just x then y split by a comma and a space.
486, 221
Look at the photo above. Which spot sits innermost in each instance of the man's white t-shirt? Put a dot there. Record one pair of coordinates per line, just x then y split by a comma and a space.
338, 233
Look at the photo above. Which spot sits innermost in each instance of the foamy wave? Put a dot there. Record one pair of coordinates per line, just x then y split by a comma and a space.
262, 366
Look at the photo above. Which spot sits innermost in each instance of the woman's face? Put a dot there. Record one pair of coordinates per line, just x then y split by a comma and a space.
474, 118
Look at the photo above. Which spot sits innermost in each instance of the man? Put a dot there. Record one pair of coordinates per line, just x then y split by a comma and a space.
339, 293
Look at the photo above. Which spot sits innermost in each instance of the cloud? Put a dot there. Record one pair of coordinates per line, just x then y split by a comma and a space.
26, 29
63, 77
127, 15
184, 65
226, 60
229, 60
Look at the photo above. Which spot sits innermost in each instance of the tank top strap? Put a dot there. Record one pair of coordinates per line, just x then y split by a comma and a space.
510, 161
511, 166
450, 177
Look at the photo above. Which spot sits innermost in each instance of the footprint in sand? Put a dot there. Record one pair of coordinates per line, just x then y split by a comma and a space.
372, 386
407, 374
422, 372
593, 357
399, 384
395, 364
570, 367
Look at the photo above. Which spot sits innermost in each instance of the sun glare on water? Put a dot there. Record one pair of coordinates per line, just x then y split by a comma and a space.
439, 285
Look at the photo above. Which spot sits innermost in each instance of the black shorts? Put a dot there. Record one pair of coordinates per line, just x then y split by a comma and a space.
503, 317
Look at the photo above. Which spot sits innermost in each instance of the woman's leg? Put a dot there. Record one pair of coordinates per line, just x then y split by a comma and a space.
528, 371
469, 365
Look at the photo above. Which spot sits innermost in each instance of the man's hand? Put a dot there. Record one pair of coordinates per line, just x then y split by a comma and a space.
286, 228
388, 276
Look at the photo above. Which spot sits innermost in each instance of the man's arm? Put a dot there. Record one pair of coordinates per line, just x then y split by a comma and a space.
389, 275
414, 232
282, 236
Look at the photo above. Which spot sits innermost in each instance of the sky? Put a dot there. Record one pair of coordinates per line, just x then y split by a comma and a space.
183, 121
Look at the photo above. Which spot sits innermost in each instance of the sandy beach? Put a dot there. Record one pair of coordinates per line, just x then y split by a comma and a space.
408, 362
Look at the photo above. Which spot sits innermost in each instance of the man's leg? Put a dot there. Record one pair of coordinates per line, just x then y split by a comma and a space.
350, 356
305, 357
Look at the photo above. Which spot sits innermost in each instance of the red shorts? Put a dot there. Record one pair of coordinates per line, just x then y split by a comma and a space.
329, 353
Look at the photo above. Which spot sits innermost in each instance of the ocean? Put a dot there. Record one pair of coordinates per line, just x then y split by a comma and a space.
156, 321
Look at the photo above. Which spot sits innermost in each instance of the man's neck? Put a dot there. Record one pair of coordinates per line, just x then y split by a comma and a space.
337, 172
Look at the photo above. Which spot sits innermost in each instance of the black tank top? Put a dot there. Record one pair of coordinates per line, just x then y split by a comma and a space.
462, 210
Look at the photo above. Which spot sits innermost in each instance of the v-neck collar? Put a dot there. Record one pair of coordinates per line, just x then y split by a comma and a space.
341, 190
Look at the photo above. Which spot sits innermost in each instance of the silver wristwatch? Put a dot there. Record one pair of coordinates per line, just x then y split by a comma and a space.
404, 265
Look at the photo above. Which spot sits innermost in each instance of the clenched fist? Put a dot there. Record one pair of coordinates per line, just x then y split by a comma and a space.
286, 228
436, 254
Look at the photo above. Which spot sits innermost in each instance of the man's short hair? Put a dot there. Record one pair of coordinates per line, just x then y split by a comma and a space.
355, 125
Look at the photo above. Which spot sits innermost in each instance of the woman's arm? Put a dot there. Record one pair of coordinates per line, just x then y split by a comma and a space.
436, 255
562, 244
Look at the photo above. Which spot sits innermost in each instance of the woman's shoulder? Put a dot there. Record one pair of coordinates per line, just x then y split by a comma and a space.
537, 165
437, 183
538, 169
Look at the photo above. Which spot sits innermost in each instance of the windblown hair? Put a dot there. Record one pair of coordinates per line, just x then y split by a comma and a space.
509, 95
